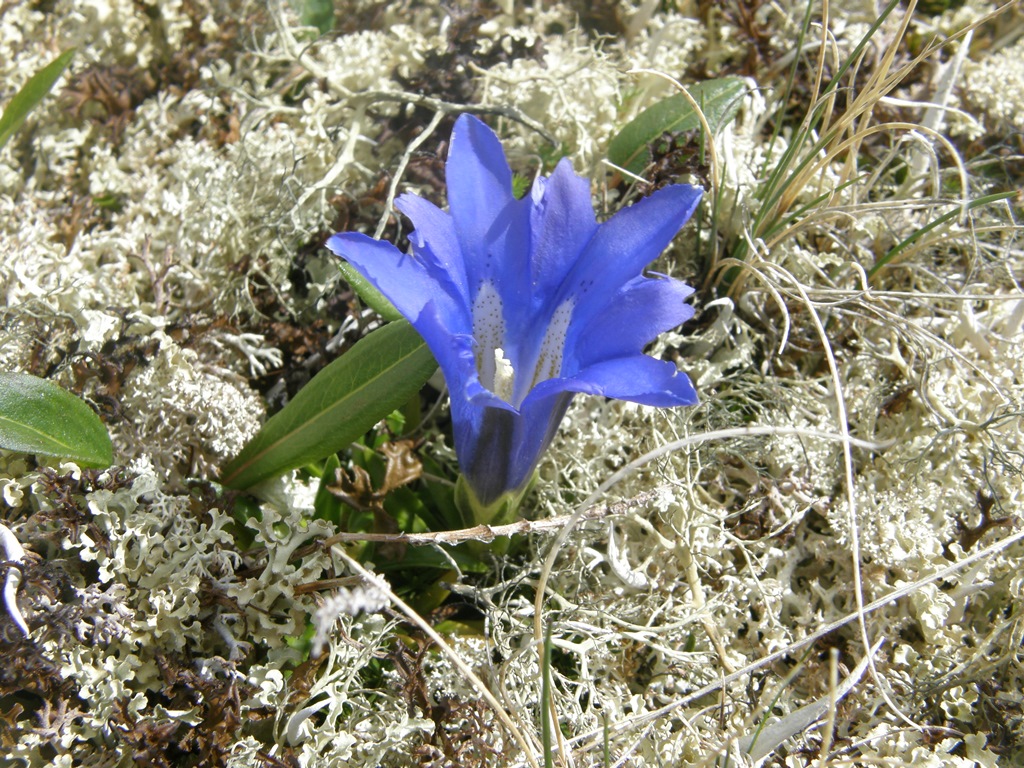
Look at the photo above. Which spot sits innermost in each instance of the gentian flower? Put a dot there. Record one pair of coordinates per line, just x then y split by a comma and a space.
526, 302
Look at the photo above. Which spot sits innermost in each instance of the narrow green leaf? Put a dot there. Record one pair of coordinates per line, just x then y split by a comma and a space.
917, 234
373, 298
338, 405
719, 99
31, 94
37, 416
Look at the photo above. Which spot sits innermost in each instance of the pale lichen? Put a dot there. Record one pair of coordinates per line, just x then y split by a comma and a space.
166, 251
199, 419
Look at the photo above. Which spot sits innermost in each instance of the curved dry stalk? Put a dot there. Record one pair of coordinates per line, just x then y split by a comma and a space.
529, 750
849, 130
850, 144
851, 494
710, 143
628, 469
878, 85
415, 144
596, 737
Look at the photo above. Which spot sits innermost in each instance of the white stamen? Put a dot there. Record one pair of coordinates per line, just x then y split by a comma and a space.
495, 368
504, 376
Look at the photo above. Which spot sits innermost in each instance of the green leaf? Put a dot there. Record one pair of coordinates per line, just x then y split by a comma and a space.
338, 405
520, 185
319, 14
373, 298
919, 233
719, 99
37, 416
31, 94
327, 506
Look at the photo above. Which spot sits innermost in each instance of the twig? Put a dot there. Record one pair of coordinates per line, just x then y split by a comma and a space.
389, 205
449, 107
488, 533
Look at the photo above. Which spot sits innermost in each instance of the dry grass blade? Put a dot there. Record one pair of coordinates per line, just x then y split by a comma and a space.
592, 739
517, 734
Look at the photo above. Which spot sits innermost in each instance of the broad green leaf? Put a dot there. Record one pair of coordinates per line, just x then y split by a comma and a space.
719, 100
37, 416
373, 298
338, 405
31, 94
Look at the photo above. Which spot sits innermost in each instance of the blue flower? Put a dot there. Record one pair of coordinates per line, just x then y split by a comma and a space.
525, 303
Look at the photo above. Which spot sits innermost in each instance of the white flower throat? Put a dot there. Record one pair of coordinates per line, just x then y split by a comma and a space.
493, 364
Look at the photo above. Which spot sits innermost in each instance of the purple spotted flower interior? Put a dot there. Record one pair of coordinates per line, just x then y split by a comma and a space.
526, 302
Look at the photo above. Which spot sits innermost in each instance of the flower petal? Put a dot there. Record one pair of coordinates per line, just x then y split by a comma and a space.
639, 379
574, 309
562, 223
479, 190
642, 309
624, 245
504, 261
434, 239
507, 445
407, 283
456, 354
